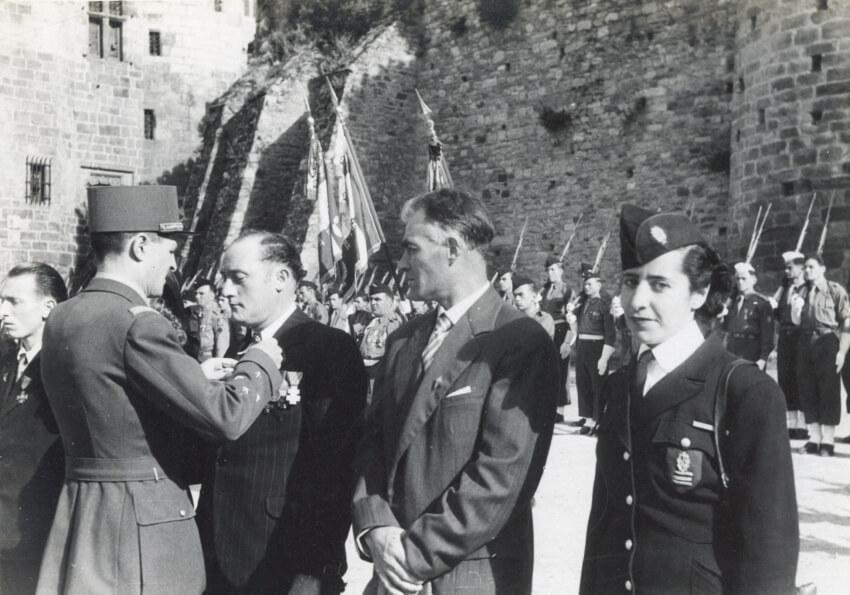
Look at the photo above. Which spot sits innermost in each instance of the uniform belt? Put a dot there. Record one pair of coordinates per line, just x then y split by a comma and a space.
818, 332
590, 337
789, 329
109, 470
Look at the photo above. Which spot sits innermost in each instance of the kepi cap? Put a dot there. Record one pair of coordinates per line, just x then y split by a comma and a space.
550, 260
134, 209
744, 267
793, 256
644, 235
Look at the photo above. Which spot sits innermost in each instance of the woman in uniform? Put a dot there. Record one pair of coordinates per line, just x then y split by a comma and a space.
662, 521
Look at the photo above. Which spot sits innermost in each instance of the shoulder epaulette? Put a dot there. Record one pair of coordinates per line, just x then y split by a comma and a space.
136, 310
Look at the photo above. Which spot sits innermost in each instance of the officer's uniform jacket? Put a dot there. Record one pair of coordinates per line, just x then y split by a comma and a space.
32, 467
750, 327
659, 522
122, 389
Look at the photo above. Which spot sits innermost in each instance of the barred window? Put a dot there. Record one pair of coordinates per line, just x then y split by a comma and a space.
106, 30
150, 124
154, 46
39, 179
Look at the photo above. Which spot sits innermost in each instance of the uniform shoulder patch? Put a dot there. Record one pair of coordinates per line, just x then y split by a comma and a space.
136, 310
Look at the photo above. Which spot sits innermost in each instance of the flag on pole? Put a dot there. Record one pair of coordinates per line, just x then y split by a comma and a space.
438, 168
357, 220
329, 244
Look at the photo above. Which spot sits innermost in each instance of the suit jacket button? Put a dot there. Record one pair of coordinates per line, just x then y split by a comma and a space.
182, 512
626, 455
628, 585
629, 500
686, 442
629, 545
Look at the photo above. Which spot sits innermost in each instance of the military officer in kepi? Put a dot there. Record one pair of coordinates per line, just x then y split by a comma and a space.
122, 391
694, 489
749, 322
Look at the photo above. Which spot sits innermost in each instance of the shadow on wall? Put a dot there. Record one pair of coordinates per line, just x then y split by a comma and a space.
271, 205
223, 187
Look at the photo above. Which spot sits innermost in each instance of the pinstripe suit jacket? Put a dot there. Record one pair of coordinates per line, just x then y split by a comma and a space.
455, 457
276, 501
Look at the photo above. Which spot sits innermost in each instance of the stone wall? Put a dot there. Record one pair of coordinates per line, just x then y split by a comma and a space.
84, 114
791, 128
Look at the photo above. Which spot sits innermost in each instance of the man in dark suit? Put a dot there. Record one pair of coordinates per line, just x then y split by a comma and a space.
32, 463
122, 389
274, 510
462, 420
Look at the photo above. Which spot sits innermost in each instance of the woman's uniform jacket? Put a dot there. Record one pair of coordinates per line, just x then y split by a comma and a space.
660, 522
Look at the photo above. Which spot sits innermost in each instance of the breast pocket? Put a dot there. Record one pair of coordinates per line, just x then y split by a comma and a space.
685, 456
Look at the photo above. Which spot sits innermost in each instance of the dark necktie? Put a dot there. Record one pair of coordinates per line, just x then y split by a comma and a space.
22, 364
641, 368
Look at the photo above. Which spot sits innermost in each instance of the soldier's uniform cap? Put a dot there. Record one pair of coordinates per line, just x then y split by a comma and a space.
377, 288
587, 272
793, 256
134, 209
308, 284
520, 280
744, 267
644, 235
550, 260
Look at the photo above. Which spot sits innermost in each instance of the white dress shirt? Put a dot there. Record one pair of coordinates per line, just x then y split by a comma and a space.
667, 356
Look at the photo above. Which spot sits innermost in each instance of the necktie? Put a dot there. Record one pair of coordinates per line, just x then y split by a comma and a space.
22, 364
740, 302
641, 368
441, 329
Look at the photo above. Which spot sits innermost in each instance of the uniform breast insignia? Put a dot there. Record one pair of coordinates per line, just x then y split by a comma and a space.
684, 466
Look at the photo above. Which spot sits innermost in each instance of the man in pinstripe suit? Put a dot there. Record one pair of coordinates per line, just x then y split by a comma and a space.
274, 512
464, 407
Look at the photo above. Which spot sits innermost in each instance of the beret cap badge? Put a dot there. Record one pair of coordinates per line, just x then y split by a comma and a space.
658, 234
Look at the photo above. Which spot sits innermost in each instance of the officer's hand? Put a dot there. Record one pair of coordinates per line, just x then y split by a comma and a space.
565, 349
839, 361
761, 364
217, 368
271, 348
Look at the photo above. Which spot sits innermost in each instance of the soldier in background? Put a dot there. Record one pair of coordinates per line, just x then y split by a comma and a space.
209, 330
749, 322
596, 340
505, 287
555, 296
823, 315
789, 337
339, 311
308, 297
527, 301
385, 321
361, 317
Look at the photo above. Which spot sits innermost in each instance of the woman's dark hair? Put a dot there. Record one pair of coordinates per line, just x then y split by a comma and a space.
48, 281
703, 268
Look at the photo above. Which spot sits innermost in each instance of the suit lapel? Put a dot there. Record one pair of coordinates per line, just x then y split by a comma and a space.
13, 388
681, 384
8, 370
458, 351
